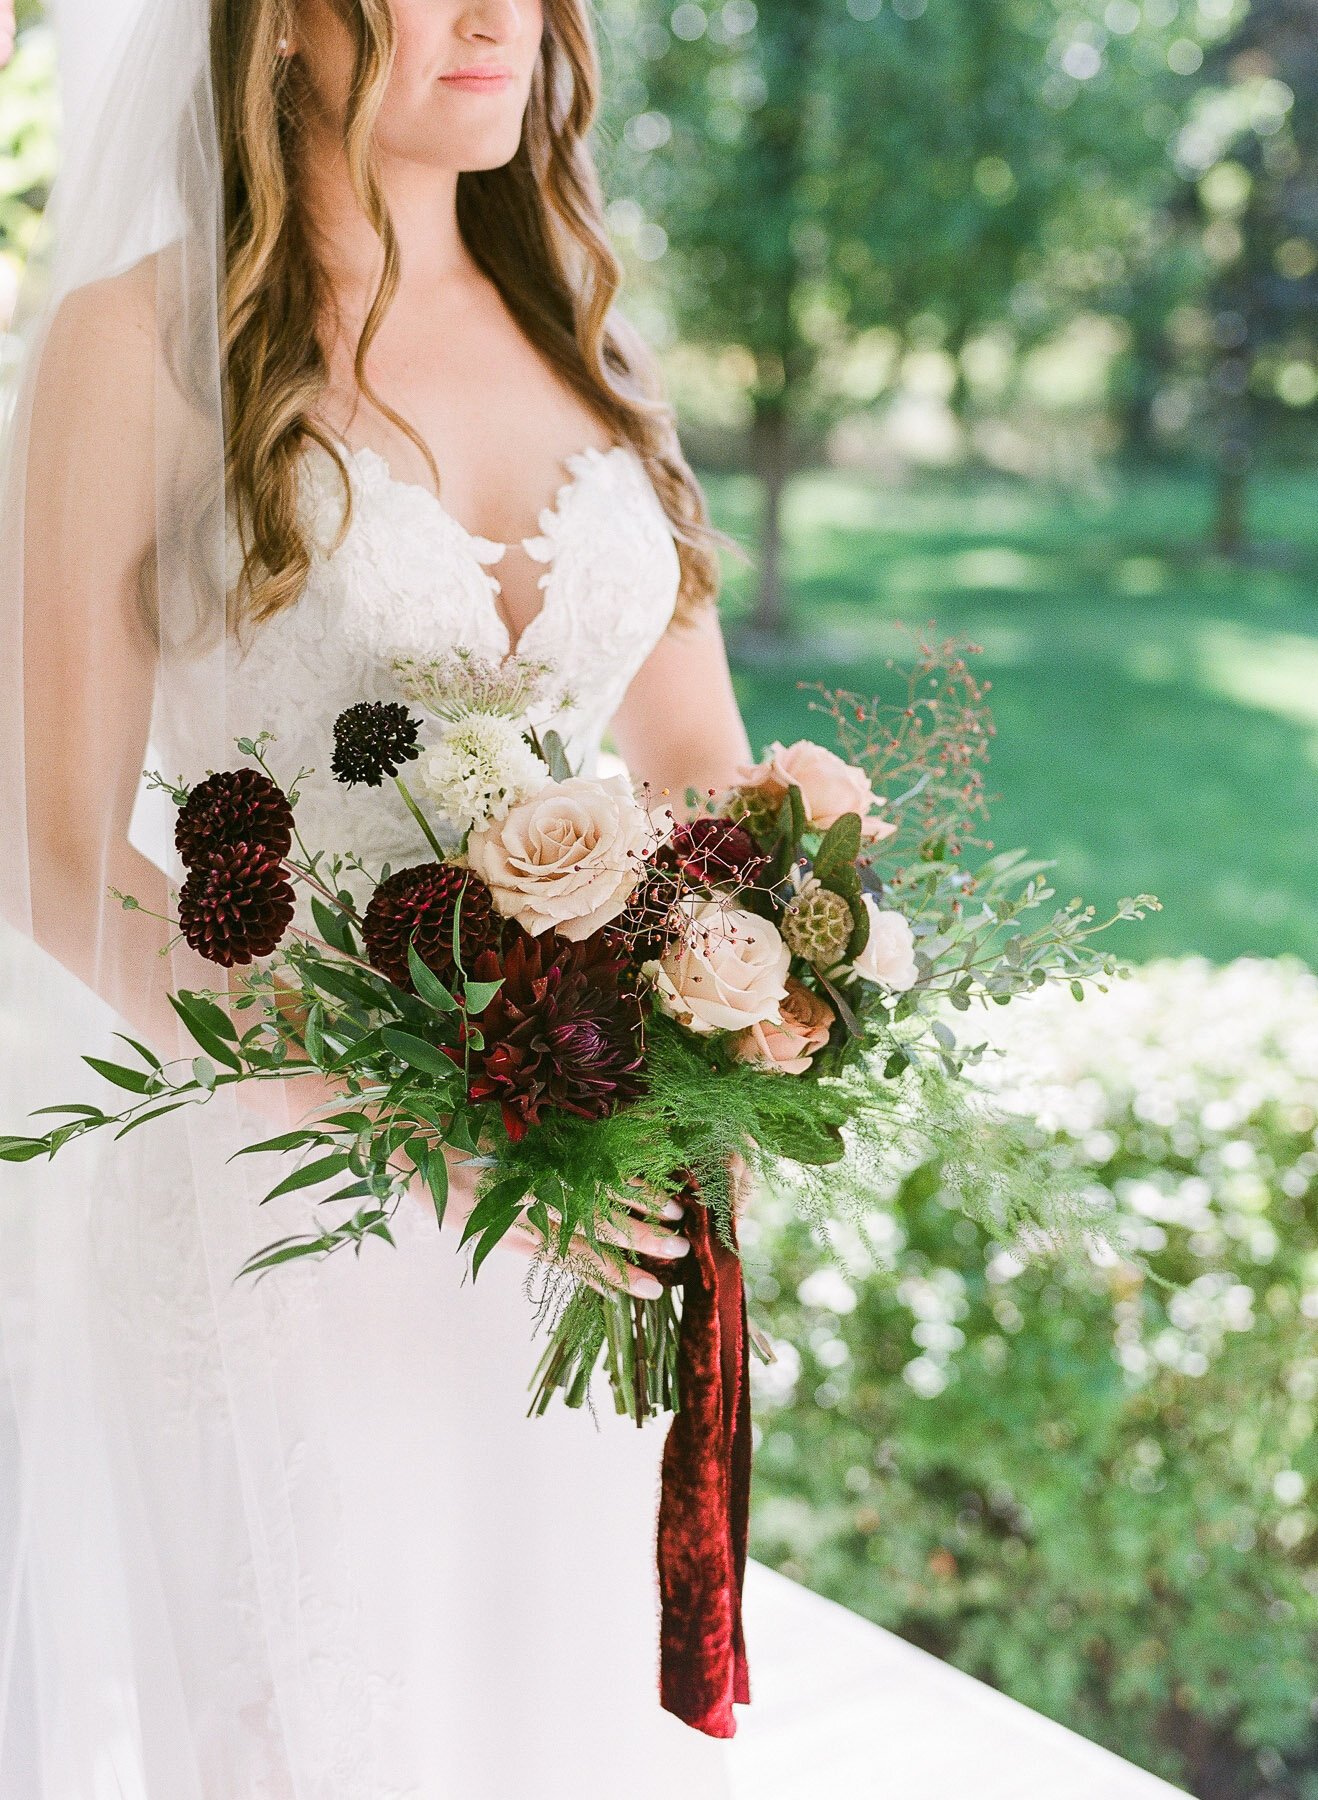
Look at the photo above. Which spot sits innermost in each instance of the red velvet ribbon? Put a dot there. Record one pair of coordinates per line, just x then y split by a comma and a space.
704, 1503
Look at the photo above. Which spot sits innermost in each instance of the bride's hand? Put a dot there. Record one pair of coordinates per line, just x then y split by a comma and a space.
649, 1228
7, 31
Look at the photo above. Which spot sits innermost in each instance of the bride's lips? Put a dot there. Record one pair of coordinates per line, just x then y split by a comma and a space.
480, 78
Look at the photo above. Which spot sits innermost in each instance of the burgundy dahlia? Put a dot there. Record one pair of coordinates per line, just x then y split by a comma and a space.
416, 906
563, 1033
372, 740
717, 851
236, 904
236, 806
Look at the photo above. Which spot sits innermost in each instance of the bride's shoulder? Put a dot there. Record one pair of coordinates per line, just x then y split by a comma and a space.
94, 395
113, 320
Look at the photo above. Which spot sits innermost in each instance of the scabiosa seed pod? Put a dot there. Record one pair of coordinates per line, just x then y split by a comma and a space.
236, 904
718, 851
372, 740
756, 810
416, 906
235, 806
817, 925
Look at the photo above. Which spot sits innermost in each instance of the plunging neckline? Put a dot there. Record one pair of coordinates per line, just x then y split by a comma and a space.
541, 546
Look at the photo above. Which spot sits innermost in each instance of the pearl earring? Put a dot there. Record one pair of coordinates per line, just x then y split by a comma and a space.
283, 46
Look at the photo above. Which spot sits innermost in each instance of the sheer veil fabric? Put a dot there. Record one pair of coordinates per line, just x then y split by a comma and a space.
118, 406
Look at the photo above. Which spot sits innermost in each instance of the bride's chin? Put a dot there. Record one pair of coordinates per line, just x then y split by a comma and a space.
469, 153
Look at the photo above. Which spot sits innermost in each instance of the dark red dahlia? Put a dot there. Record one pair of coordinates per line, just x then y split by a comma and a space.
236, 806
416, 906
717, 851
563, 1033
236, 904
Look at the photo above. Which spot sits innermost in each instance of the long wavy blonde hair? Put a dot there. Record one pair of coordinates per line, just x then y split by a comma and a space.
534, 227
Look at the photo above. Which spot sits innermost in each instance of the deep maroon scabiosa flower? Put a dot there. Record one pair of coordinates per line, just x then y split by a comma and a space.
416, 906
372, 740
563, 1033
236, 904
236, 806
717, 851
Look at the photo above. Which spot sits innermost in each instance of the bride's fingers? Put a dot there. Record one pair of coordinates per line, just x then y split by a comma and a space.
651, 1203
642, 1237
606, 1274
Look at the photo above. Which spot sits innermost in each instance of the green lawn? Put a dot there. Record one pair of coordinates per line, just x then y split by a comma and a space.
1157, 708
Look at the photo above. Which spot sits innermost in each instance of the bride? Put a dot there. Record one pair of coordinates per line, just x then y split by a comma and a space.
322, 366
340, 263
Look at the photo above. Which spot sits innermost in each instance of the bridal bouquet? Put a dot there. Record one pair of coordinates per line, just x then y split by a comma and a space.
585, 994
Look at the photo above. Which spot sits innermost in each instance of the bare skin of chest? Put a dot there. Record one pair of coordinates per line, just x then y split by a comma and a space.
498, 420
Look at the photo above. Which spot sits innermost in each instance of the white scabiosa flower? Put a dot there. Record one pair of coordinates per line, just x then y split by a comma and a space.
480, 769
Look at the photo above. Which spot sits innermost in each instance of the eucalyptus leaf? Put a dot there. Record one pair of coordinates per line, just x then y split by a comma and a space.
211, 1042
22, 1149
478, 994
323, 1169
556, 756
428, 984
130, 1079
416, 1052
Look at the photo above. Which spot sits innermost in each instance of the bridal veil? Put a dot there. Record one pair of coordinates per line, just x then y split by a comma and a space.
137, 1620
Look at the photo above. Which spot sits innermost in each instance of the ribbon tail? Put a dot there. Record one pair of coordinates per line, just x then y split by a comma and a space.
704, 1504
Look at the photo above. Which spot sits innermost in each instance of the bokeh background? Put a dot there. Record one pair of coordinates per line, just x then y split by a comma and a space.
1004, 313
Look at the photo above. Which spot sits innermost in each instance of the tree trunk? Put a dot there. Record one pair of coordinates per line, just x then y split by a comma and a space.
771, 460
1231, 529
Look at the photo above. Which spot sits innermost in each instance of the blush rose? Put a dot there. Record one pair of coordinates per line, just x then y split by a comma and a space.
888, 958
569, 858
790, 1043
725, 971
829, 786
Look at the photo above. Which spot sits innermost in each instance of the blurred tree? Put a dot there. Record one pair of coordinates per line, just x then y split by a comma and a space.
1260, 200
27, 148
822, 169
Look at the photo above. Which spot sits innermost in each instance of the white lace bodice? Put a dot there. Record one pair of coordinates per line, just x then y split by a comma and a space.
409, 580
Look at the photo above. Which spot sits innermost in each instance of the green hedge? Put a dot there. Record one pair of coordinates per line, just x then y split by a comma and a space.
1093, 1490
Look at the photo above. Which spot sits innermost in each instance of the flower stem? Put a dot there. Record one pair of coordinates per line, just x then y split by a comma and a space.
419, 816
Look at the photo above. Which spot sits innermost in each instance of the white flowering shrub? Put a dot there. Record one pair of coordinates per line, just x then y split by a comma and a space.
1095, 1482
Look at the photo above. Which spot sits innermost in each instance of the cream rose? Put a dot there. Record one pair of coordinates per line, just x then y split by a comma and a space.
829, 786
569, 858
889, 955
727, 970
790, 1043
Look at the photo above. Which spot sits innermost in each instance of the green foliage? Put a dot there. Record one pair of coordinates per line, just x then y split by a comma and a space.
27, 141
1091, 1483
1155, 705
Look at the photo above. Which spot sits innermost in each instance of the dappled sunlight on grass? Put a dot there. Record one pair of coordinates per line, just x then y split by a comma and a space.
1156, 705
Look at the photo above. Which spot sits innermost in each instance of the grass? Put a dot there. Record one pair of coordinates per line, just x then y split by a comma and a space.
1157, 707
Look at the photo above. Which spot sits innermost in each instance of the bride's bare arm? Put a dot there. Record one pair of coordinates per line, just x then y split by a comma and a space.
88, 655
679, 725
